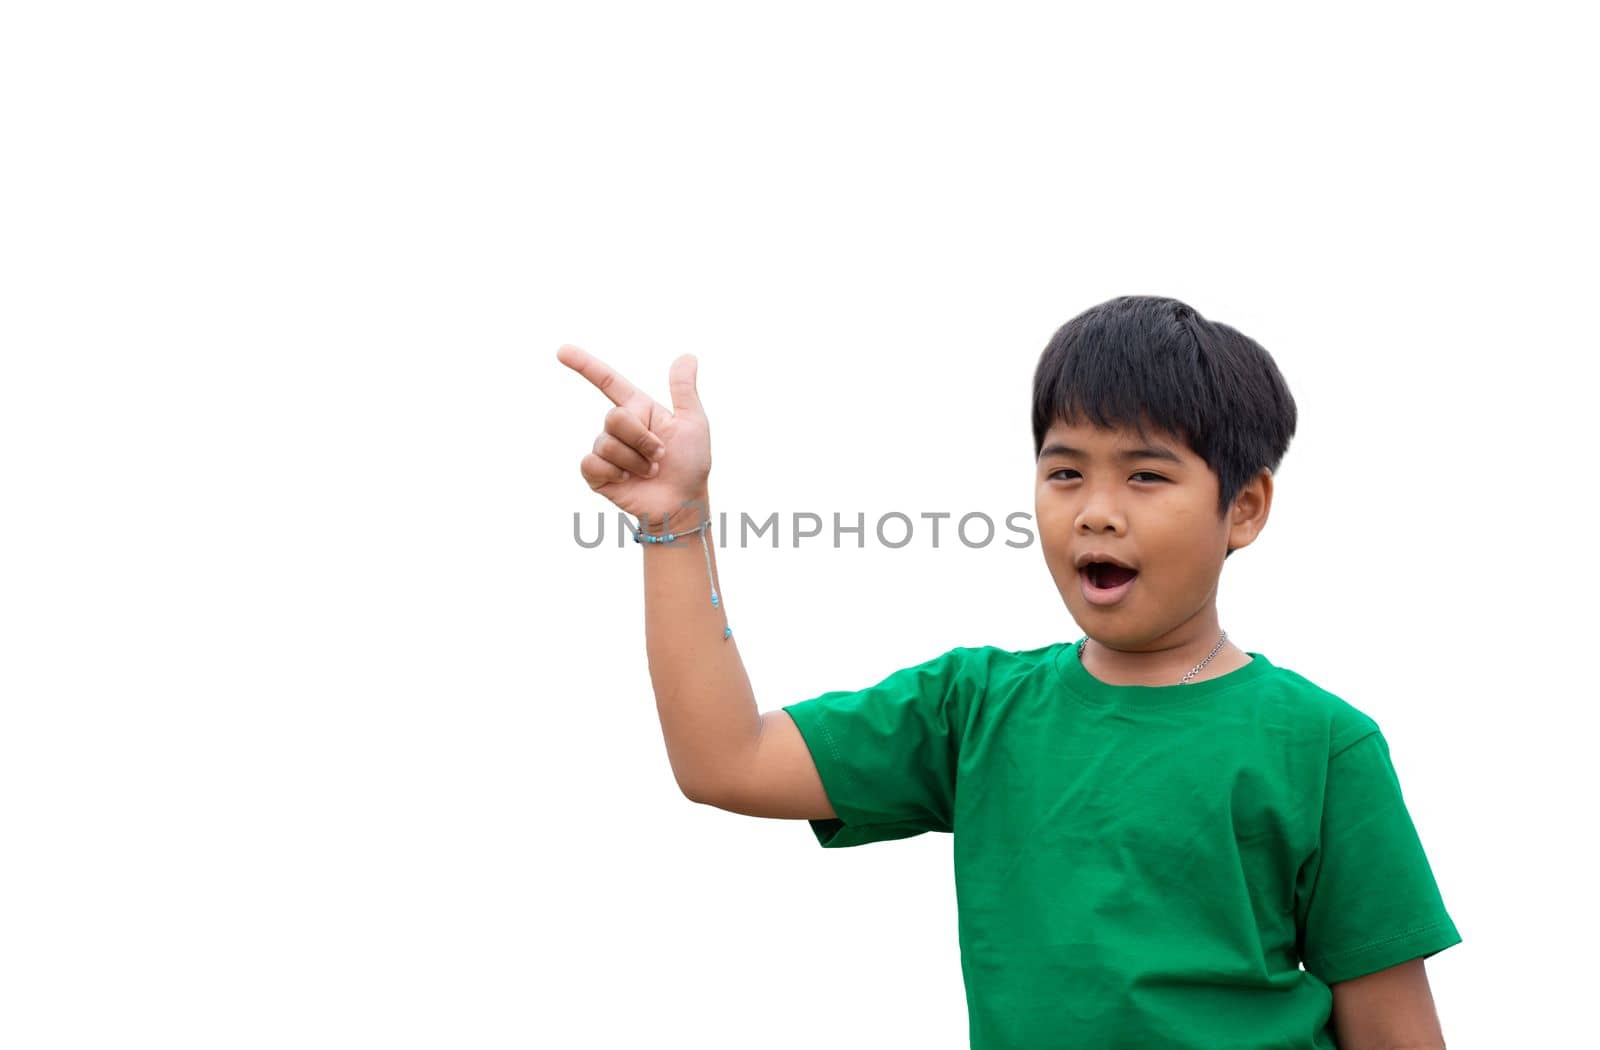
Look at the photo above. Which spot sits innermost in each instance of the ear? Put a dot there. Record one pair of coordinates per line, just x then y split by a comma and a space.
1248, 515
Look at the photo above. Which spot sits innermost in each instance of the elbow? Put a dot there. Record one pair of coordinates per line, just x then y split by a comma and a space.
700, 792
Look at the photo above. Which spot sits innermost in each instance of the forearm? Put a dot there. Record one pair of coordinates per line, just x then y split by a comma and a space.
708, 712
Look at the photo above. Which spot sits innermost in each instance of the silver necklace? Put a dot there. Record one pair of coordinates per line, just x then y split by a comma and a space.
1084, 640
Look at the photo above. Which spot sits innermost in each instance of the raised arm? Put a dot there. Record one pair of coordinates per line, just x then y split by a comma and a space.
654, 464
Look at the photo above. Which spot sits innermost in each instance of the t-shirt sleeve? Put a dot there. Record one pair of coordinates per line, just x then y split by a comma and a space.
887, 754
1366, 899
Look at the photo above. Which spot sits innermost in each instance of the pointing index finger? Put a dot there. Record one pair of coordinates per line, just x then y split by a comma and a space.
609, 380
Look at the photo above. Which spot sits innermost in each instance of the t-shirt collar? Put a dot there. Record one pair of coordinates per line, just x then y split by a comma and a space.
1092, 691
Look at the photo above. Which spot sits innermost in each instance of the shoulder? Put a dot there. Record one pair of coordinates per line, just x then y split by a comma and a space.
1000, 677
1000, 665
1319, 711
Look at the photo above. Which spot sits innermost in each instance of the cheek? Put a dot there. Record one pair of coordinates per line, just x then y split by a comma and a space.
1047, 508
1053, 523
1053, 529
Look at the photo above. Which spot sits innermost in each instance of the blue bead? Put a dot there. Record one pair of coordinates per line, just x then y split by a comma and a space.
727, 631
713, 597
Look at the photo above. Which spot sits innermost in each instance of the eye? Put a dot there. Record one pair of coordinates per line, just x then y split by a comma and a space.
1142, 473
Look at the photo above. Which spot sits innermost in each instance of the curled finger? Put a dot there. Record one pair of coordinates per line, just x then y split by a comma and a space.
600, 472
629, 429
608, 448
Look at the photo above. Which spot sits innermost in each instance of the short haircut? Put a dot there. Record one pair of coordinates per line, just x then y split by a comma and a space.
1141, 361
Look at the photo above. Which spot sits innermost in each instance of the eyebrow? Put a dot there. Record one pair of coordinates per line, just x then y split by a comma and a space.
1148, 452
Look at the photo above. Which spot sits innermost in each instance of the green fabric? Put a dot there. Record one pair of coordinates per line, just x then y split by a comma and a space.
1138, 866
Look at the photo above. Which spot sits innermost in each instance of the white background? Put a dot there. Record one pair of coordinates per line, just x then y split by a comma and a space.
320, 729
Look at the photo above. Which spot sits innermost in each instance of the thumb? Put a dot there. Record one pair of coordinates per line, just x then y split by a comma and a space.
681, 381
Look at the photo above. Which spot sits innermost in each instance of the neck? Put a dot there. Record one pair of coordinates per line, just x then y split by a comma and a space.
1162, 666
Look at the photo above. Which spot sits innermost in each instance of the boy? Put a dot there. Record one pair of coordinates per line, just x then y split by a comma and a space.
1153, 828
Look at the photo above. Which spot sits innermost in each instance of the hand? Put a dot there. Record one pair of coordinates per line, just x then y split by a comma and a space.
623, 466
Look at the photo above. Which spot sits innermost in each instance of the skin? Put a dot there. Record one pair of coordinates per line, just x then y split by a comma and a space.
1160, 517
1389, 1010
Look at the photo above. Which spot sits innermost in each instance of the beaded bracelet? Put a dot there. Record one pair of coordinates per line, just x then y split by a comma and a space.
640, 536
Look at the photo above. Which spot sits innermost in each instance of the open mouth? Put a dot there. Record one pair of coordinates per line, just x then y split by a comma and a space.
1106, 576
1105, 583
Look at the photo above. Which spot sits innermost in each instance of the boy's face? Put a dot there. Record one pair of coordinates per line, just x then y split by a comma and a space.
1119, 496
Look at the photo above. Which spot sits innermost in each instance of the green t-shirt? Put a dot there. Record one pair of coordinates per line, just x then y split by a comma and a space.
1138, 866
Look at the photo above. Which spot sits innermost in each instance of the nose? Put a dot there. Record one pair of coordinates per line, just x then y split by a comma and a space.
1098, 514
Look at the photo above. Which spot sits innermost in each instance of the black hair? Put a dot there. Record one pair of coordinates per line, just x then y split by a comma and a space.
1143, 361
